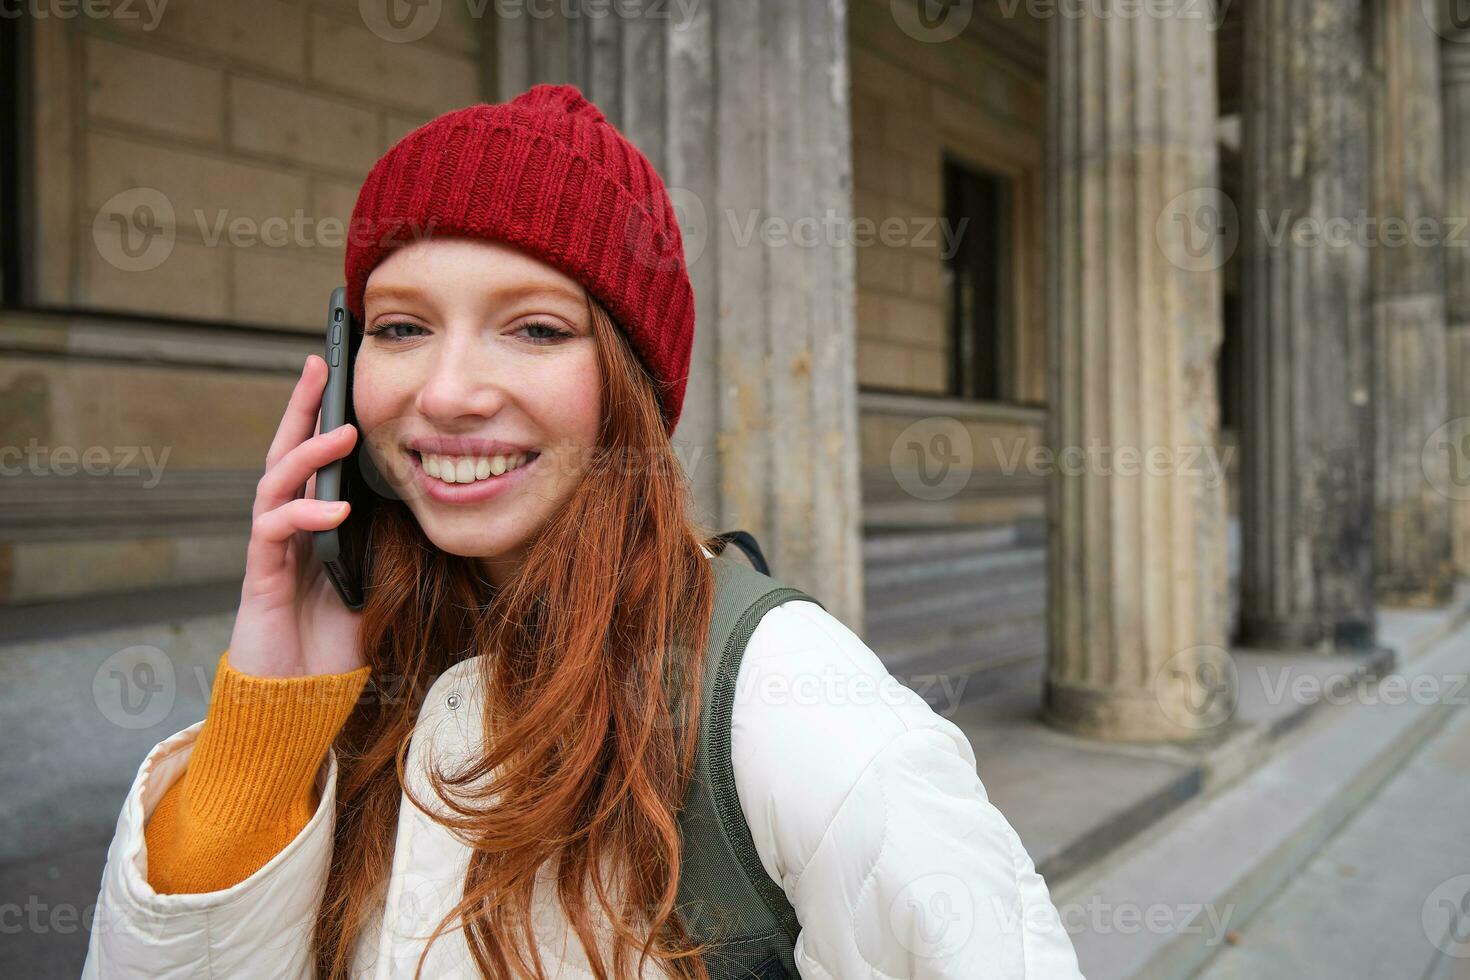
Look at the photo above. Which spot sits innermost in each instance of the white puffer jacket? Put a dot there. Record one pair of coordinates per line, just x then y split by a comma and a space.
864, 804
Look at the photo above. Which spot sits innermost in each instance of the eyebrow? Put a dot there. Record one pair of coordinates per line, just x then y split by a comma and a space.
508, 294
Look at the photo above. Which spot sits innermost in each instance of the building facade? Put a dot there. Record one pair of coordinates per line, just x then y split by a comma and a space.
1058, 346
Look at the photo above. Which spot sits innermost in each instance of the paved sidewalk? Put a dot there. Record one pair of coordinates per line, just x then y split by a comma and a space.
79, 713
1388, 896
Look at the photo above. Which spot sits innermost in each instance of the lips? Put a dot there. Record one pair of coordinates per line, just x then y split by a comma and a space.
476, 488
455, 469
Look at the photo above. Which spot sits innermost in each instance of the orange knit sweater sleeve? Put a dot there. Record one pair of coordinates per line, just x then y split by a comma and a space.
250, 784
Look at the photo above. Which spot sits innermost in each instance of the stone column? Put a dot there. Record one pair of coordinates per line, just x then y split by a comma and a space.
1307, 480
1412, 526
745, 116
1137, 544
1455, 77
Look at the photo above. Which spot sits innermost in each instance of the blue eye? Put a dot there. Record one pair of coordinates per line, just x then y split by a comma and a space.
556, 333
378, 328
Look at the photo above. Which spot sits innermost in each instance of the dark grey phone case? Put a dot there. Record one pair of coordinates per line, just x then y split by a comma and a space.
329, 479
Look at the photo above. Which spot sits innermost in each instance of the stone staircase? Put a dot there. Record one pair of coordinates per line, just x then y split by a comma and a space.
967, 603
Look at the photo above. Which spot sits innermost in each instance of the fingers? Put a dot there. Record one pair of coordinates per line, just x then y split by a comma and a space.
300, 418
276, 526
283, 481
271, 530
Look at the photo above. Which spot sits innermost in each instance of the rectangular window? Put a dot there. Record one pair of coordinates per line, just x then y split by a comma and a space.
977, 207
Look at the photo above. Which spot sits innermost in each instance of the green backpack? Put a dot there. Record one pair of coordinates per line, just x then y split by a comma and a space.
725, 895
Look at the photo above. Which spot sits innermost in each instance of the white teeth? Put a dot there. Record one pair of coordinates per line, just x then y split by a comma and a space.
470, 469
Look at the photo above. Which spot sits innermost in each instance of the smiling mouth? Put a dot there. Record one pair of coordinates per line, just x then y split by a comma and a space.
457, 470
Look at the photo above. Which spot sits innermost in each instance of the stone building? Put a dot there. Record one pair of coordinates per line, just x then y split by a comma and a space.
1015, 340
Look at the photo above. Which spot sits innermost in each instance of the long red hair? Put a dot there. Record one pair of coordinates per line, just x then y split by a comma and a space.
592, 679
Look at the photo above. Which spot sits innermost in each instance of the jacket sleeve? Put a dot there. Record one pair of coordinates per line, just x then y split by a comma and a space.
221, 804
865, 805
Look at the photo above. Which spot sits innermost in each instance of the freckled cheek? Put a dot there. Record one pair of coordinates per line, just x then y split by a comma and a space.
379, 397
571, 402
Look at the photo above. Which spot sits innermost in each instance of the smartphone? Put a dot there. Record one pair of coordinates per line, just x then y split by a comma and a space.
341, 549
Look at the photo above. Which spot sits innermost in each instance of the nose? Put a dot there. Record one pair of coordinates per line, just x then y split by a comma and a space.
463, 381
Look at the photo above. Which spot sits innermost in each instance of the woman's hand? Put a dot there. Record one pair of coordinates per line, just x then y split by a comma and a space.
291, 621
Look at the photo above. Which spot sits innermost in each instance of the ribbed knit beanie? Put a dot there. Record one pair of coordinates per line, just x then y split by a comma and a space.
547, 173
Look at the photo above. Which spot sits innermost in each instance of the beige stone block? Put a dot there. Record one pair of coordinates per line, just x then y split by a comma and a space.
870, 169
924, 181
927, 279
1000, 138
211, 558
911, 322
178, 417
895, 177
278, 121
870, 314
908, 130
882, 364
152, 91
414, 76
189, 282
58, 569
870, 204
265, 33
281, 288
874, 440
879, 77
205, 192
867, 122
929, 371
333, 199
882, 267
41, 570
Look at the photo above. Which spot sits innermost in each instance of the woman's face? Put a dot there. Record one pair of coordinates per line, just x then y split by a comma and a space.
478, 391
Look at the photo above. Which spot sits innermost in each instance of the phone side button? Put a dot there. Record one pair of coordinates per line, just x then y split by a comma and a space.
336, 333
335, 352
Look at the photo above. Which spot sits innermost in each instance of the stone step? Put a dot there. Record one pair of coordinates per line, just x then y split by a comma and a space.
1268, 799
956, 614
927, 544
955, 572
936, 652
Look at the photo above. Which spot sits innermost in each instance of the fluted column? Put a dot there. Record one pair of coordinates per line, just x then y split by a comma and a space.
1306, 480
743, 110
1136, 555
1412, 525
1455, 72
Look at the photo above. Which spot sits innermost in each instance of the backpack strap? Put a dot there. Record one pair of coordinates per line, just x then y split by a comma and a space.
746, 542
725, 895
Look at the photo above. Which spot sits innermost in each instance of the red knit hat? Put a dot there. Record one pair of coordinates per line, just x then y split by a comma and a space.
547, 173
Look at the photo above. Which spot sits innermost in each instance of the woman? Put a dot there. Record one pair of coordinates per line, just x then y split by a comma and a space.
537, 610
